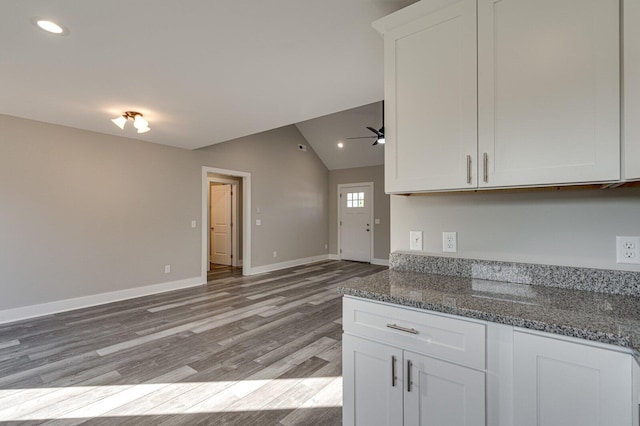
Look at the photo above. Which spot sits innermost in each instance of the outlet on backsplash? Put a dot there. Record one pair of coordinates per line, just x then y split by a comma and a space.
628, 249
450, 242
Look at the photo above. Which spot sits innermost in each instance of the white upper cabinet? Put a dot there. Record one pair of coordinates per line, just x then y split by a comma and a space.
548, 87
502, 93
632, 89
431, 97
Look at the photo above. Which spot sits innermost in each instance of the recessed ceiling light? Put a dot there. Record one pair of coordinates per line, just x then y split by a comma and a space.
340, 145
49, 26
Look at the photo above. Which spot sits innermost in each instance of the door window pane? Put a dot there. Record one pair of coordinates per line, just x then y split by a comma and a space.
355, 199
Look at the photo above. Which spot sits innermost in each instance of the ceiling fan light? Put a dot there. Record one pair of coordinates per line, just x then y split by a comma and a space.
381, 140
120, 121
144, 130
140, 123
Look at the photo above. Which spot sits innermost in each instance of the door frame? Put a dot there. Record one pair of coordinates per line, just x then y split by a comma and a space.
246, 218
341, 186
234, 219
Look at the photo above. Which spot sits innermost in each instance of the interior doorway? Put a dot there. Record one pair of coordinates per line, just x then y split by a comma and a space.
226, 216
222, 220
355, 221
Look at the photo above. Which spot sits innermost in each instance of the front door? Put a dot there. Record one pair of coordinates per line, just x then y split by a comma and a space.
220, 224
355, 223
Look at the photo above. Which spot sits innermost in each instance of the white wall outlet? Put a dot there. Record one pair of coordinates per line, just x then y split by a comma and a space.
628, 249
167, 269
415, 240
450, 242
326, 246
275, 254
258, 222
193, 223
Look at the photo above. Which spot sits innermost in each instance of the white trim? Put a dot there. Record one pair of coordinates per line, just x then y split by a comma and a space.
246, 217
234, 219
288, 264
49, 308
334, 257
372, 227
381, 262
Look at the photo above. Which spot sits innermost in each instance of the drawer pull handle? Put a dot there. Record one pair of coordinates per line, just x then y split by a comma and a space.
406, 330
393, 371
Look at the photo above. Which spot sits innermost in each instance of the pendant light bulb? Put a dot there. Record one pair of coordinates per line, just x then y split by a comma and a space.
140, 123
120, 121
144, 130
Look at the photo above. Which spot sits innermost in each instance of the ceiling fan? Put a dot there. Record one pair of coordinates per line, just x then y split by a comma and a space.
379, 134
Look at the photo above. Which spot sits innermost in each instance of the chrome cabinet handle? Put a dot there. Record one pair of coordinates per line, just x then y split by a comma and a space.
469, 169
485, 166
409, 365
406, 330
393, 371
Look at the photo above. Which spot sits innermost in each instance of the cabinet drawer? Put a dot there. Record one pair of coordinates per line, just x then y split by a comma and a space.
458, 341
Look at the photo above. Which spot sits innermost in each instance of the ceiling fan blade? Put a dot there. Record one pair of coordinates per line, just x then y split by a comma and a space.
364, 137
375, 143
374, 130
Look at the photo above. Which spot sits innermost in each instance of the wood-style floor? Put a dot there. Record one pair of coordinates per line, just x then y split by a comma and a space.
260, 350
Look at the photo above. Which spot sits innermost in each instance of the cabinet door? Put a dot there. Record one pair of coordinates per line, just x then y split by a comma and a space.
559, 383
548, 92
441, 393
431, 101
632, 89
371, 397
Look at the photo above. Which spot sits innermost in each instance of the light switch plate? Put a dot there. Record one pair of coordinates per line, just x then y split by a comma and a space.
376, 221
415, 242
258, 222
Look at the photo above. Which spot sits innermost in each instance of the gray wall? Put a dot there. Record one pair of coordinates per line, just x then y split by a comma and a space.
573, 228
290, 188
373, 174
83, 213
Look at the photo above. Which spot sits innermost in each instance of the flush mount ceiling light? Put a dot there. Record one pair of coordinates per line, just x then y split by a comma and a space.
138, 122
49, 26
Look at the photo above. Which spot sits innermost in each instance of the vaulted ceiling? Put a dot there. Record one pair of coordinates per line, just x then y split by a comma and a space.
201, 71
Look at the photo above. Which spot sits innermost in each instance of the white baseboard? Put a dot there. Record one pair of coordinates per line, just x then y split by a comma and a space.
334, 257
381, 262
33, 311
288, 264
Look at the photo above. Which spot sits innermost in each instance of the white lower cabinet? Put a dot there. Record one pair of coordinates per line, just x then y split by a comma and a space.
371, 395
559, 383
398, 379
441, 393
405, 366
384, 385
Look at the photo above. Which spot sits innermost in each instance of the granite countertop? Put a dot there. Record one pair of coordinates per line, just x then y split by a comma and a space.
600, 317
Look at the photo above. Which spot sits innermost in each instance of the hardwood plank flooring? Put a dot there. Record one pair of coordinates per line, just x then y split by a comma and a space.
259, 350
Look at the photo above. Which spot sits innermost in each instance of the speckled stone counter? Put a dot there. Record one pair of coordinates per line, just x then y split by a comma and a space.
600, 317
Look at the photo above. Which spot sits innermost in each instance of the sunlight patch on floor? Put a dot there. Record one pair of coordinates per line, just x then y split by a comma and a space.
81, 402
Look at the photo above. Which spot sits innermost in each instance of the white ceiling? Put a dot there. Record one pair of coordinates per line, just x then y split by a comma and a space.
324, 133
201, 71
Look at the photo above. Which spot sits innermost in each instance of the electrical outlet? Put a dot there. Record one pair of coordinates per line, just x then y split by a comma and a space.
450, 242
415, 240
167, 269
193, 223
326, 246
275, 254
628, 249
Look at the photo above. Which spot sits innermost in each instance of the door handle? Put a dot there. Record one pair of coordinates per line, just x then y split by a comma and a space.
409, 364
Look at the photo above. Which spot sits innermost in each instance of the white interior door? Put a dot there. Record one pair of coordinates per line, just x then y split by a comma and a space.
221, 224
356, 227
